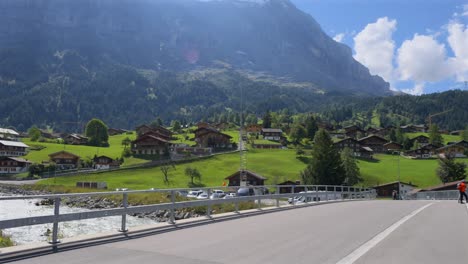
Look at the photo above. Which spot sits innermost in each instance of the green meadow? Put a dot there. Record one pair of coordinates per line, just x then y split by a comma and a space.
113, 151
276, 165
447, 138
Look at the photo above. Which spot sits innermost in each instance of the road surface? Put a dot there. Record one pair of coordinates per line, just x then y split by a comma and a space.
352, 232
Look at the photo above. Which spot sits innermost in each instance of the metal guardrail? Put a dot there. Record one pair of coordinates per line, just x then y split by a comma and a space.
435, 195
316, 193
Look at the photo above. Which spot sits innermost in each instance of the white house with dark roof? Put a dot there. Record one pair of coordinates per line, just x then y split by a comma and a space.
272, 133
8, 134
13, 165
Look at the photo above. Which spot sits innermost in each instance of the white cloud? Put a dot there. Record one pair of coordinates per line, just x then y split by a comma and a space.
418, 89
423, 59
339, 37
465, 10
375, 47
458, 41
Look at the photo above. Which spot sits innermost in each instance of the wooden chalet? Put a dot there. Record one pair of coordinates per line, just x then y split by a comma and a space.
143, 129
158, 134
149, 144
393, 146
420, 140
208, 137
287, 187
49, 135
105, 163
202, 124
374, 142
354, 131
457, 150
424, 152
13, 165
274, 134
8, 134
414, 128
250, 177
65, 160
386, 190
75, 139
116, 131
456, 132
356, 147
254, 128
12, 148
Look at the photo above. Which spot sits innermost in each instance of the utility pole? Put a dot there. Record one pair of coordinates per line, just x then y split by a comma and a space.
242, 150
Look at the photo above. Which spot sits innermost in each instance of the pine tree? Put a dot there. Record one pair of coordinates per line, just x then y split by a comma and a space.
325, 166
352, 172
311, 127
267, 120
435, 138
464, 134
298, 133
450, 170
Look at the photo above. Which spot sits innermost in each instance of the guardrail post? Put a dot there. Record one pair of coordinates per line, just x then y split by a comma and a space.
292, 191
277, 198
55, 228
208, 207
326, 192
316, 193
123, 227
172, 216
334, 192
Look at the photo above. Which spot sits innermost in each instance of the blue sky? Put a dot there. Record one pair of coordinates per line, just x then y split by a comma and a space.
419, 46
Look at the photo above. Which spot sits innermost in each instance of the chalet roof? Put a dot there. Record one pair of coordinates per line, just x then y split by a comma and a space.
63, 152
459, 143
373, 136
442, 186
77, 136
394, 182
19, 160
367, 149
391, 142
420, 136
8, 131
346, 139
13, 144
211, 129
150, 136
249, 173
289, 182
272, 130
155, 133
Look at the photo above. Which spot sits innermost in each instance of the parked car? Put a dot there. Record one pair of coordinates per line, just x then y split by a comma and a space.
182, 193
230, 195
218, 191
217, 195
194, 194
248, 191
202, 196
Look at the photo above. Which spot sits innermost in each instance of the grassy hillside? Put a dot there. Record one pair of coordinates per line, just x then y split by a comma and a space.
276, 165
447, 138
114, 150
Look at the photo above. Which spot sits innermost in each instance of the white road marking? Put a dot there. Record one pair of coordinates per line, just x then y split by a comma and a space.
364, 248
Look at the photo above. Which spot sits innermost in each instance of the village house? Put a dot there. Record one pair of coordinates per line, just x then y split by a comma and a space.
143, 129
202, 124
208, 137
393, 146
13, 165
354, 131
274, 134
420, 140
105, 163
414, 128
49, 135
386, 190
149, 144
75, 139
374, 142
356, 147
156, 133
8, 134
457, 150
251, 178
287, 187
424, 152
116, 131
65, 160
12, 148
253, 128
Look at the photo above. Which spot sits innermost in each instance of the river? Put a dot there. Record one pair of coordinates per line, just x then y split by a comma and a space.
26, 208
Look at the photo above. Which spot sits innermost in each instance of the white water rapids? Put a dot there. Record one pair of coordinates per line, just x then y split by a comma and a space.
14, 209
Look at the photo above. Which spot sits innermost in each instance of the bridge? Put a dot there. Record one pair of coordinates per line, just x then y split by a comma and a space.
354, 230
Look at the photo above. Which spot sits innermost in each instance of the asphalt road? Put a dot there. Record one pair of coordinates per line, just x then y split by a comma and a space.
352, 232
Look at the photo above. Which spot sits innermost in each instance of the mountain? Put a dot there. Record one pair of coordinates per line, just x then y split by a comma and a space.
128, 61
